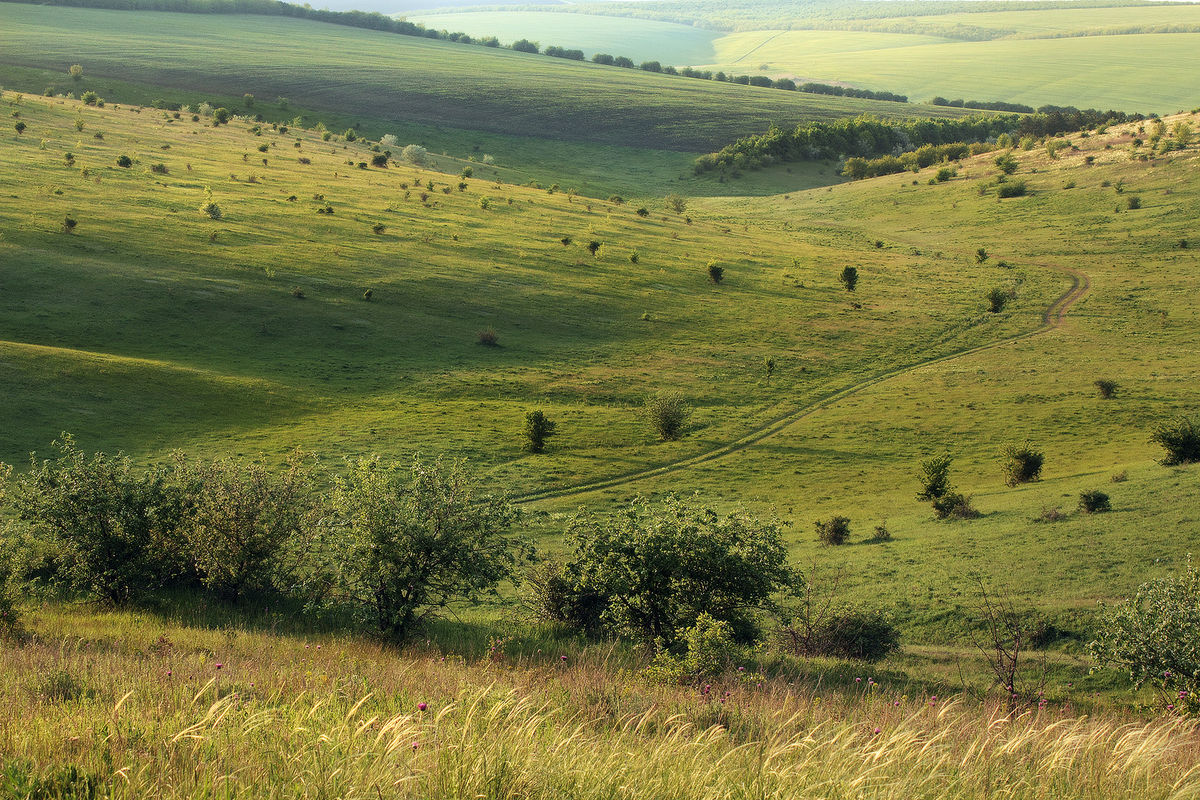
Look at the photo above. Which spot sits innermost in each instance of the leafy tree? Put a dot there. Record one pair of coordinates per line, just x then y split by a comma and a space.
603, 58
538, 428
651, 66
415, 154
716, 273
249, 530
660, 566
624, 62
1155, 637
667, 413
410, 541
76, 72
677, 203
221, 116
1181, 440
1094, 502
593, 247
113, 530
350, 135
124, 161
849, 278
19, 127
525, 46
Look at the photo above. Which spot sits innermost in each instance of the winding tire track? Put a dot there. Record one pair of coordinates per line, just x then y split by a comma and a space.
1052, 318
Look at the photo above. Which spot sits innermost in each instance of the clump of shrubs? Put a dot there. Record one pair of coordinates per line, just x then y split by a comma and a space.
852, 633
997, 299
488, 337
1011, 189
833, 531
1094, 502
937, 490
667, 414
124, 161
1181, 440
1022, 464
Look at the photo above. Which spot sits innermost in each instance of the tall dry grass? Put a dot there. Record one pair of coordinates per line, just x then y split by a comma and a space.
142, 709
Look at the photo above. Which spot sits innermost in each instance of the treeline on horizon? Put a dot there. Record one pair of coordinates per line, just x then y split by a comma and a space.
380, 22
868, 137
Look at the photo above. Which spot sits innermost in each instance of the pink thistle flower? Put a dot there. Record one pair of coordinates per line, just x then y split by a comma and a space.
562, 658
877, 731
219, 665
422, 706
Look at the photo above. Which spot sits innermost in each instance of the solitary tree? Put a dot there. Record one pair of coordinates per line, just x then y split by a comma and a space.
538, 428
76, 72
667, 413
677, 203
716, 273
849, 278
221, 116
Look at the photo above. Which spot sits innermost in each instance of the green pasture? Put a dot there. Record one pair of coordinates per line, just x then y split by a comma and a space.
1137, 72
642, 40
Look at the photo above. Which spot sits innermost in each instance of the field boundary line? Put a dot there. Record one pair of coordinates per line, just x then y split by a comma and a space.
1052, 318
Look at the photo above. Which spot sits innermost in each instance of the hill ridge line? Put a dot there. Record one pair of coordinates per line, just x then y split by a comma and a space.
1052, 318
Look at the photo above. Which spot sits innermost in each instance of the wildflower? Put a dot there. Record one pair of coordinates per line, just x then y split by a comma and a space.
897, 703
168, 673
422, 706
741, 669
415, 745
877, 731
858, 680
1170, 706
563, 659
219, 665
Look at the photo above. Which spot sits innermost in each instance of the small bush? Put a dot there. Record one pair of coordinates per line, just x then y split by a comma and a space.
69, 224
935, 477
709, 651
634, 257
643, 212
19, 127
368, 295
1023, 464
488, 337
264, 147
159, 169
1181, 440
997, 299
716, 273
1094, 502
124, 161
1051, 514
1011, 189
379, 160
881, 534
953, 505
667, 413
1007, 164
1106, 387
852, 634
945, 173
538, 428
298, 293
378, 228
211, 210
833, 531
849, 278
593, 247
1134, 202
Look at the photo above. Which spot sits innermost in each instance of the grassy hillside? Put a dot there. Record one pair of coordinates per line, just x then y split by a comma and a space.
195, 334
181, 300
405, 79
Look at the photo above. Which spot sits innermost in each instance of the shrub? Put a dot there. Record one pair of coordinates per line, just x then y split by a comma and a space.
1022, 464
981, 255
538, 428
667, 413
716, 273
411, 541
935, 477
264, 147
677, 203
69, 224
379, 160
881, 534
634, 257
1094, 502
593, 247
643, 212
525, 46
368, 295
833, 531
945, 173
221, 116
849, 278
1007, 164
415, 154
488, 337
953, 505
19, 127
1155, 637
90, 98
113, 531
485, 202
298, 293
76, 72
658, 567
551, 593
350, 135
1011, 189
211, 210
379, 228
248, 530
159, 169
852, 634
1107, 388
997, 299
124, 161
1181, 440
709, 650
1134, 202
616, 199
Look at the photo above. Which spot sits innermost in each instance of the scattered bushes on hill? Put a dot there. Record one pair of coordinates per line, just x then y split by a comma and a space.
1181, 440
667, 414
1022, 464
